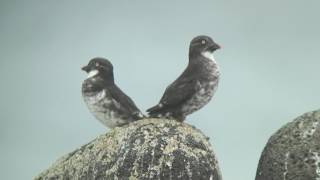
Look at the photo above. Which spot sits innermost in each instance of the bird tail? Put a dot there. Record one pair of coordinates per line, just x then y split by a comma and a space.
154, 111
139, 115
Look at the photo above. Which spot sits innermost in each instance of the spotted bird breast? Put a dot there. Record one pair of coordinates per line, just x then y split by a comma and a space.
205, 88
101, 105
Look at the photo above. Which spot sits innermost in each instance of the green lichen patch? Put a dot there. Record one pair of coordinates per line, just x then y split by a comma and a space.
145, 149
293, 152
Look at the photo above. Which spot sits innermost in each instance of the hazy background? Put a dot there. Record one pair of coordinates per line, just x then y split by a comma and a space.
270, 66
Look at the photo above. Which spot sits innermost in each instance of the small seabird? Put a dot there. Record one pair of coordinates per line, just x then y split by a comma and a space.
103, 97
195, 87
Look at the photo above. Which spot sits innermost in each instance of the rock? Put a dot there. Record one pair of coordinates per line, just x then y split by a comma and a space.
146, 149
293, 153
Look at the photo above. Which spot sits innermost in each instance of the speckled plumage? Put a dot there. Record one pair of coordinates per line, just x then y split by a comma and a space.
195, 87
104, 99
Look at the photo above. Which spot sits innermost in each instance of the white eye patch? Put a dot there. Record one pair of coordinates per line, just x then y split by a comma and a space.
92, 73
203, 42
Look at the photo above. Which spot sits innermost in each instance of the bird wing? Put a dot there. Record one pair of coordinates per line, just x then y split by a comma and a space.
125, 103
178, 92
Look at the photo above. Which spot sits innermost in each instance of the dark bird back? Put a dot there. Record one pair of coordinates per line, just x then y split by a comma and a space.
195, 87
104, 98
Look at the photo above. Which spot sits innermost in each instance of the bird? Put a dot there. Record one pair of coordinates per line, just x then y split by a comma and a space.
195, 87
104, 98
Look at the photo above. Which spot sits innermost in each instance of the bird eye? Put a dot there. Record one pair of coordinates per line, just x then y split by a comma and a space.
97, 64
203, 42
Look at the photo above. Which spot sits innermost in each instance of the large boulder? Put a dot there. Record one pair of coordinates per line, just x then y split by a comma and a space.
143, 150
293, 152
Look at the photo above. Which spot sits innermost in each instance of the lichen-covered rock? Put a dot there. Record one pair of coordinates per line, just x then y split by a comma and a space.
293, 153
143, 150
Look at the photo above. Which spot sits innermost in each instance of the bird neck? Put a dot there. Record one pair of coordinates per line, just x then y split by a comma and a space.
193, 53
208, 55
202, 60
194, 57
102, 76
107, 78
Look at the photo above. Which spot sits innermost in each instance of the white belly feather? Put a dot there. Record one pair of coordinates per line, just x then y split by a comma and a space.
98, 106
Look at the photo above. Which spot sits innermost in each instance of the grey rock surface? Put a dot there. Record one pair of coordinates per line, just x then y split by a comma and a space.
146, 149
293, 152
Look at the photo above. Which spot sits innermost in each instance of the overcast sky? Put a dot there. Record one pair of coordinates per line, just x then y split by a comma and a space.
269, 71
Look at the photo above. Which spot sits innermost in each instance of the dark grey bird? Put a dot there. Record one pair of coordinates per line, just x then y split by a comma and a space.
104, 98
195, 87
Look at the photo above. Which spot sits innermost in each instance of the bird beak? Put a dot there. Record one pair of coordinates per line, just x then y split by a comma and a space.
214, 47
85, 68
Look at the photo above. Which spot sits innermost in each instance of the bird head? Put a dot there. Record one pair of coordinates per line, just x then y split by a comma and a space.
100, 66
202, 44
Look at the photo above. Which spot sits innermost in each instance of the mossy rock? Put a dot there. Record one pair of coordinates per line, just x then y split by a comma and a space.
293, 152
143, 150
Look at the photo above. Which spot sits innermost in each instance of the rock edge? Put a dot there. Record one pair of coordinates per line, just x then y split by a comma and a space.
145, 149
